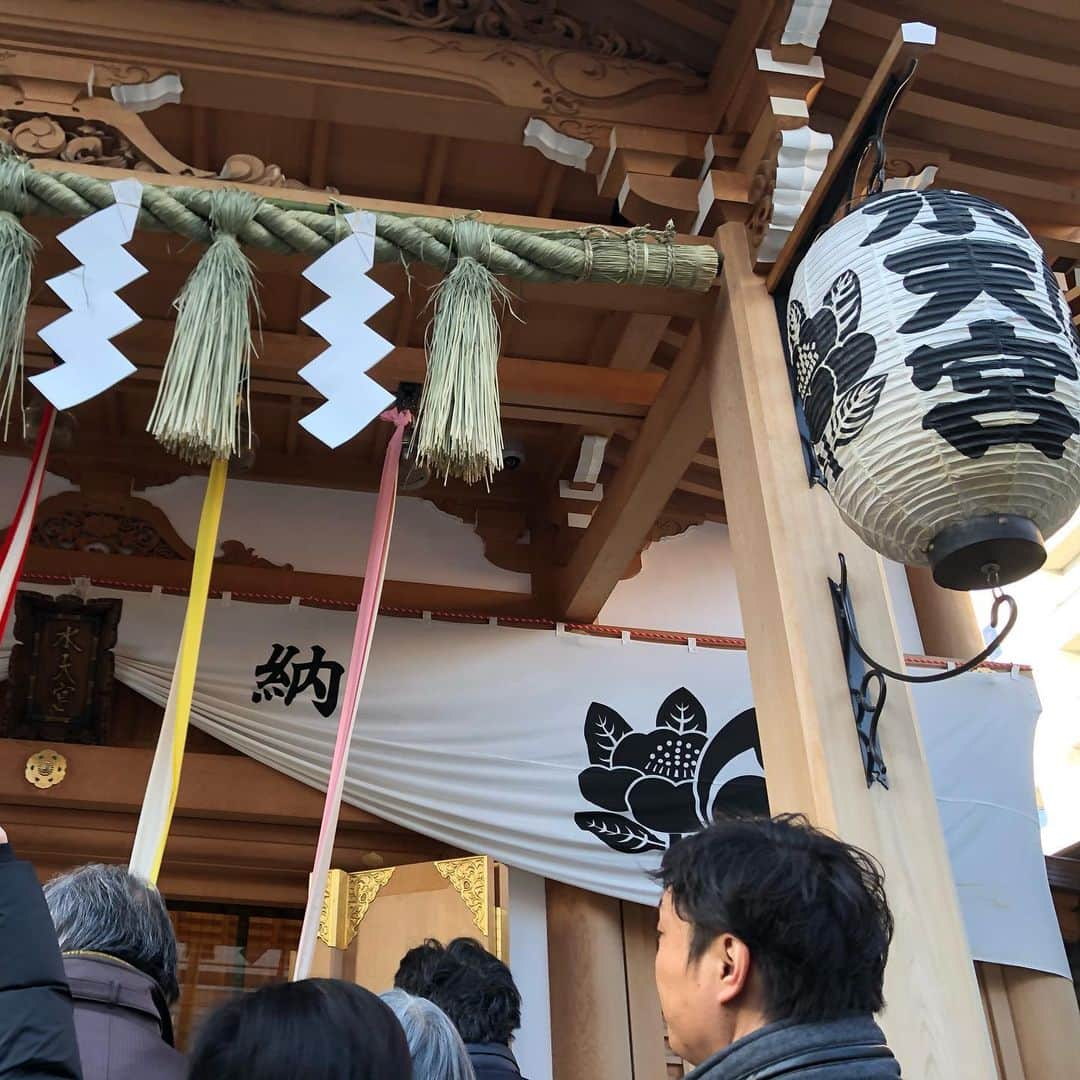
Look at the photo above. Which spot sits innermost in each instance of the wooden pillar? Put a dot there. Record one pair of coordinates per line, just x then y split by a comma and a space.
785, 539
1045, 1020
647, 1046
1032, 1015
946, 618
590, 1029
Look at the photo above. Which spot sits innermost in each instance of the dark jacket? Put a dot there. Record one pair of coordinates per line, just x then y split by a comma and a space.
849, 1049
37, 1030
492, 1061
122, 1021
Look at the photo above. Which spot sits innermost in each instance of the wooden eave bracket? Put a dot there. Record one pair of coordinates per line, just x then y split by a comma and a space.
911, 41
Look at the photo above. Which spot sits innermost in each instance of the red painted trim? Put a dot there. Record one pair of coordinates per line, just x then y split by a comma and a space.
664, 637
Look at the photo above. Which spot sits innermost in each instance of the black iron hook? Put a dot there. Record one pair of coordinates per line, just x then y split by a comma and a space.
864, 671
951, 673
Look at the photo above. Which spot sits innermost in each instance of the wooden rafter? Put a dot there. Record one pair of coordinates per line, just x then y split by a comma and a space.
735, 53
539, 384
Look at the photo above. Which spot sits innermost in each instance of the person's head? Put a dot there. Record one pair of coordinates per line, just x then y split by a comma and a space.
473, 987
320, 1029
104, 909
417, 967
436, 1047
766, 919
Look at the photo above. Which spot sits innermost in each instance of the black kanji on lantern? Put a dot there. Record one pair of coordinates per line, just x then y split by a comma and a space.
952, 213
954, 272
282, 677
1003, 373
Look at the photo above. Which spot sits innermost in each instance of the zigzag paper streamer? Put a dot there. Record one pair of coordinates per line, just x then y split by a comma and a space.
353, 399
81, 338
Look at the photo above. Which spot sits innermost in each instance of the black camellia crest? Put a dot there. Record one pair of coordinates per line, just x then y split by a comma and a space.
657, 785
830, 358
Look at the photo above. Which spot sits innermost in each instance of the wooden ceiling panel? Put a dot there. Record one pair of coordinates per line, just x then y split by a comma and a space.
378, 162
481, 175
1028, 27
279, 140
550, 331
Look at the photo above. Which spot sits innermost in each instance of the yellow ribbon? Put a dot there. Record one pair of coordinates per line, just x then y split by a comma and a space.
187, 661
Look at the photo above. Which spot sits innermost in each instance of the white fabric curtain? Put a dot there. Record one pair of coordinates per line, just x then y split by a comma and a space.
576, 758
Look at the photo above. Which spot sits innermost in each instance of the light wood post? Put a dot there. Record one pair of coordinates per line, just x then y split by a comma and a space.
1045, 1020
946, 618
590, 1029
785, 539
647, 1046
1032, 1014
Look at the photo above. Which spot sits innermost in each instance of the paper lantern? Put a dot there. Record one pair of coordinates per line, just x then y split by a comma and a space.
937, 364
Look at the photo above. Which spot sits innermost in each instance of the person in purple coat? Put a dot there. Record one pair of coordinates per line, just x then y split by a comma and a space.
119, 953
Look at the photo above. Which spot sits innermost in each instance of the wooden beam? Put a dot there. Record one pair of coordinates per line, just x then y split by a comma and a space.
638, 340
276, 585
735, 53
318, 152
785, 539
302, 198
542, 384
674, 429
435, 168
222, 786
549, 189
201, 139
689, 15
299, 66
910, 41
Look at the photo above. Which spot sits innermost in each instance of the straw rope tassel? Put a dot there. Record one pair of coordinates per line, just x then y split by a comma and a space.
159, 802
458, 430
17, 249
204, 385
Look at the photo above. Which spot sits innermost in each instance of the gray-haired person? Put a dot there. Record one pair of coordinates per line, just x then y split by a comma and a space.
119, 953
434, 1044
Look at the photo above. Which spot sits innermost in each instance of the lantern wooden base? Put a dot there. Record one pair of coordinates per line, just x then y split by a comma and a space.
994, 549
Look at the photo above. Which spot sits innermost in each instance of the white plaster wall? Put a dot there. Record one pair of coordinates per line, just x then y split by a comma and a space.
12, 478
327, 531
315, 529
687, 584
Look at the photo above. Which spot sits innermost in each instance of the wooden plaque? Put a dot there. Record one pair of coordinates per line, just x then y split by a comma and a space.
61, 672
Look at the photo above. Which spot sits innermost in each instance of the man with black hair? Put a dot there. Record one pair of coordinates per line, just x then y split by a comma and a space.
476, 990
773, 942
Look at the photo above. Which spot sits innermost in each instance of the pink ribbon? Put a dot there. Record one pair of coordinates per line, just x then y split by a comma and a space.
354, 682
13, 554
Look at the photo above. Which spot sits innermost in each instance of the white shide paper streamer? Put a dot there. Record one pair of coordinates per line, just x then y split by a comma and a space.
353, 399
81, 338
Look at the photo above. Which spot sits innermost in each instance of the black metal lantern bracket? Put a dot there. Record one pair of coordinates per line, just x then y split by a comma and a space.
867, 678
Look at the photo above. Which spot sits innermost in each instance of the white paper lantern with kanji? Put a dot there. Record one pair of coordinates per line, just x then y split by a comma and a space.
938, 368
